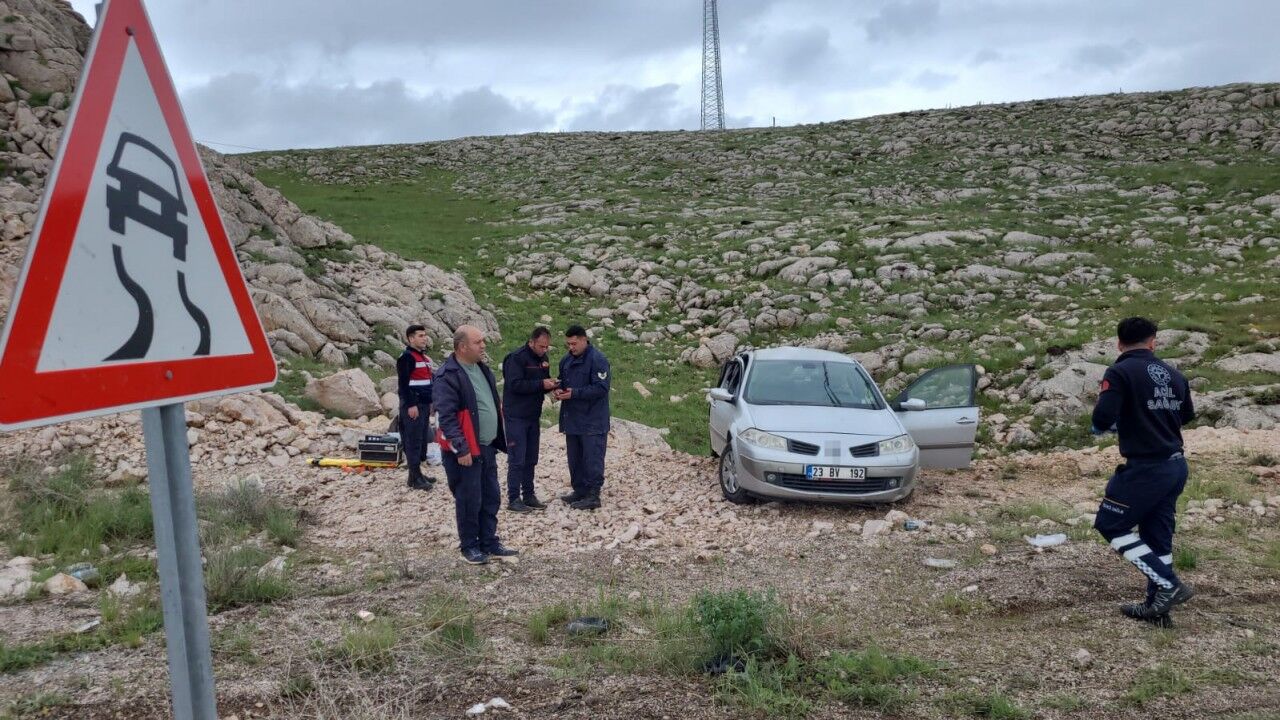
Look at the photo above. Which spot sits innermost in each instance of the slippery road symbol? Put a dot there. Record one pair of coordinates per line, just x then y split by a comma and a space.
145, 201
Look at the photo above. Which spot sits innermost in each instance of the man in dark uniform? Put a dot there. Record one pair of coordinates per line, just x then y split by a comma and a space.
413, 371
526, 377
584, 417
1146, 402
470, 437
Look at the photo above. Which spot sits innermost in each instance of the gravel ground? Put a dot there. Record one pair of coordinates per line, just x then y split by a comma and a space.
1010, 621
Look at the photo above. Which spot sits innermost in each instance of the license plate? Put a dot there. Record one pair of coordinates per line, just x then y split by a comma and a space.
834, 472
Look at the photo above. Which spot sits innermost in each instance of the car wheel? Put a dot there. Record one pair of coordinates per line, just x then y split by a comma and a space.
729, 483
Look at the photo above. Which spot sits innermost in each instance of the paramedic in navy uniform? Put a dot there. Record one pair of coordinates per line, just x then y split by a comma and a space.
1146, 402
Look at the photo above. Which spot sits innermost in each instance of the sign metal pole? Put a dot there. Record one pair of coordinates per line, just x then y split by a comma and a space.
173, 509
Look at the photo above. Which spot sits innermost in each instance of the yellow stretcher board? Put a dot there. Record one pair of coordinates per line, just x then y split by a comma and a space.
350, 463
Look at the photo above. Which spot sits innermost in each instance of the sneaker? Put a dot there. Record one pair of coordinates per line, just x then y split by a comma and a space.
572, 497
1164, 600
475, 557
516, 506
502, 552
590, 502
535, 503
1142, 611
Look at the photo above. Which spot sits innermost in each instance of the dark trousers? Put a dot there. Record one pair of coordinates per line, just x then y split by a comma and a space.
476, 499
586, 462
523, 437
1137, 516
413, 433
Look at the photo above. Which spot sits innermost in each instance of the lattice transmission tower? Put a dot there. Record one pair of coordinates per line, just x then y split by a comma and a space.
712, 85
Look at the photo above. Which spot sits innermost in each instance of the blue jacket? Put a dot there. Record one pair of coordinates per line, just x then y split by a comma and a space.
522, 374
1147, 402
587, 412
455, 401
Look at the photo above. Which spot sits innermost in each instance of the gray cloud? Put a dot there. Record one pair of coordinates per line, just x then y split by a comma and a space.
903, 18
1104, 56
287, 73
930, 80
620, 107
259, 113
986, 55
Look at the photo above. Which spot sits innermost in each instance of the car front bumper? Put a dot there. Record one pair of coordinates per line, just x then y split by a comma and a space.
781, 475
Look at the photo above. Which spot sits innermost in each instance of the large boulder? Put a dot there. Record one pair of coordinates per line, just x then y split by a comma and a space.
15, 581
1250, 362
1244, 408
1070, 391
712, 352
43, 44
581, 278
347, 392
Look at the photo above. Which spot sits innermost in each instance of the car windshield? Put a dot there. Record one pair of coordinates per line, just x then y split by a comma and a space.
810, 382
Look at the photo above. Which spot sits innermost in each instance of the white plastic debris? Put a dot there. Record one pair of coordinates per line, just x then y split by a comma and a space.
493, 704
1044, 541
940, 563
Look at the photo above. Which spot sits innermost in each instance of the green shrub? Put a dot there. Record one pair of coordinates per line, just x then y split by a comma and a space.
369, 647
243, 508
1185, 558
871, 678
1159, 681
986, 705
451, 626
737, 623
544, 618
231, 579
768, 687
123, 623
66, 513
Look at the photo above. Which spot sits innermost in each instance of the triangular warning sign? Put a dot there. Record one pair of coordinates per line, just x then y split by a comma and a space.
131, 295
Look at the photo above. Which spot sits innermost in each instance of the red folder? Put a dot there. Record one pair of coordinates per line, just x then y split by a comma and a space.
468, 432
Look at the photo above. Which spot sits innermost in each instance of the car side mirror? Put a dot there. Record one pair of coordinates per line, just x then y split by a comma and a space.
720, 394
913, 404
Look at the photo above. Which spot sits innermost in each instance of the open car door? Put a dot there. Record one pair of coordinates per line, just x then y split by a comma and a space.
947, 425
722, 412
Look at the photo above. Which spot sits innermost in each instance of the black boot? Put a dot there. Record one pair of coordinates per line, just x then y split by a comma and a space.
417, 481
1142, 611
590, 501
572, 497
1164, 600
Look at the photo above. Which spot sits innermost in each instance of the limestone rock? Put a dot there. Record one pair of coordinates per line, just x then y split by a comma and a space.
348, 392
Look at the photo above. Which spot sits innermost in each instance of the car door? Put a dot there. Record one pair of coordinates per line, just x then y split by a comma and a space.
722, 412
946, 429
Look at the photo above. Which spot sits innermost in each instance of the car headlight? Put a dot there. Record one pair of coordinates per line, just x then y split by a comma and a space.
760, 438
893, 446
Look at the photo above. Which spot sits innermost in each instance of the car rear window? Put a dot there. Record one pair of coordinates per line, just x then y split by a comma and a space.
807, 382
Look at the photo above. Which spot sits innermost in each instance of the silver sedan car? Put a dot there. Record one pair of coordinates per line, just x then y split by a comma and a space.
803, 424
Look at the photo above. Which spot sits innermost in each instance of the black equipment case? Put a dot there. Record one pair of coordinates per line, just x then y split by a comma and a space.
380, 448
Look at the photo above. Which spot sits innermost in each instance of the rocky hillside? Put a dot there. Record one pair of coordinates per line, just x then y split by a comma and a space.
1014, 236
319, 293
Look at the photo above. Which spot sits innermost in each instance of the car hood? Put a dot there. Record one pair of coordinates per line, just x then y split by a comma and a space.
811, 419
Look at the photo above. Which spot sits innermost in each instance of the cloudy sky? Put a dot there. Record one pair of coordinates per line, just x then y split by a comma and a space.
316, 73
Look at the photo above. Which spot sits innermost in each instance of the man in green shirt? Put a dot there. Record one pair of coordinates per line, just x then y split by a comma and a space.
466, 399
